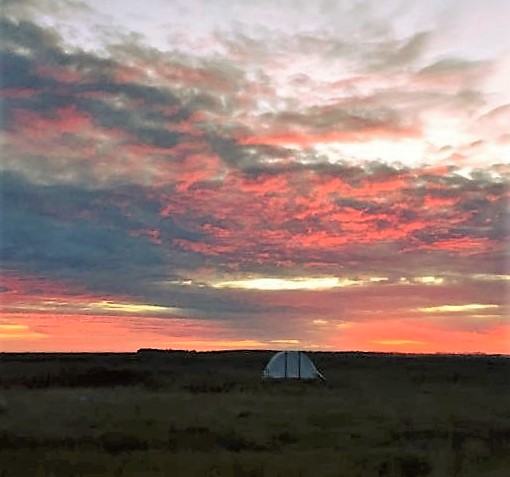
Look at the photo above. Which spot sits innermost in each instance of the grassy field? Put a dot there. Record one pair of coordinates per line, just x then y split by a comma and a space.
209, 414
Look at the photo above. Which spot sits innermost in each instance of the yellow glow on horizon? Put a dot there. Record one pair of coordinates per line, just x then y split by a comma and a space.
9, 326
205, 345
429, 280
287, 284
309, 283
487, 276
9, 331
397, 342
86, 307
320, 322
128, 307
285, 341
21, 336
486, 317
344, 324
457, 308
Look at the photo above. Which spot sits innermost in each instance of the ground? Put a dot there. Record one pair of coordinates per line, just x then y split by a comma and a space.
209, 414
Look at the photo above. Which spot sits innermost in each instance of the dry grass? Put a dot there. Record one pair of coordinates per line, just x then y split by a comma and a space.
209, 414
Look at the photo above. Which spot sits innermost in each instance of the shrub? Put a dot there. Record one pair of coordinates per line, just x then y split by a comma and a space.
116, 442
405, 466
234, 442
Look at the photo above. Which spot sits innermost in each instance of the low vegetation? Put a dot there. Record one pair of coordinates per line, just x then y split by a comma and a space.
209, 414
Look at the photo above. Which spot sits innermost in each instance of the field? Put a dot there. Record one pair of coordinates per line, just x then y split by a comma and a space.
209, 414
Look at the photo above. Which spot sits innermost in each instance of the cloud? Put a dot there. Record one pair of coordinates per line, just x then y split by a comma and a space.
269, 158
110, 112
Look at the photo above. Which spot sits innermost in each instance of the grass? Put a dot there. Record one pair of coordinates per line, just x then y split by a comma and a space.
209, 414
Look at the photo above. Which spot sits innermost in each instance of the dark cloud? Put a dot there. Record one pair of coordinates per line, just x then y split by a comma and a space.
343, 116
64, 227
92, 85
92, 238
29, 8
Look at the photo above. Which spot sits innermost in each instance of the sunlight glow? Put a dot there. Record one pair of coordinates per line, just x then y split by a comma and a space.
10, 331
204, 345
286, 284
486, 317
285, 341
490, 277
429, 280
344, 324
407, 151
9, 327
398, 342
457, 308
105, 305
320, 322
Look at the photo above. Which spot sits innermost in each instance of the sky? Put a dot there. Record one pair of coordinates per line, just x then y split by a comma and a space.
195, 174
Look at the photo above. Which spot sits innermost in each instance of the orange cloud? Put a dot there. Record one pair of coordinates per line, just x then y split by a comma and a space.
461, 245
67, 119
436, 202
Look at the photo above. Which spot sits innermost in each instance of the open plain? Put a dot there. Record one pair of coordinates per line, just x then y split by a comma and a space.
179, 413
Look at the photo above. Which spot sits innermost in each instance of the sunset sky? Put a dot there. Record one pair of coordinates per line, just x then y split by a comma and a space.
217, 174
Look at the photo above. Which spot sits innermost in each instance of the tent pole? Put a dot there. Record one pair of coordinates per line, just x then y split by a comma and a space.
299, 364
285, 363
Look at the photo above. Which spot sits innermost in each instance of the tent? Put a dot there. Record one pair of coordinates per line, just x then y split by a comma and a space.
291, 365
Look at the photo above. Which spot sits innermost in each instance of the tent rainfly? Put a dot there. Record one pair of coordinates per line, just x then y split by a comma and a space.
291, 365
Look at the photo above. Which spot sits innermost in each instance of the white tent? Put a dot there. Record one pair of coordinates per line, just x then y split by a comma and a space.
291, 365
